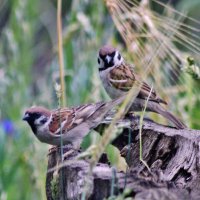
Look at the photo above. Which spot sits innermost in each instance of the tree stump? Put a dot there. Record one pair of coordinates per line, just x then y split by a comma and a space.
172, 155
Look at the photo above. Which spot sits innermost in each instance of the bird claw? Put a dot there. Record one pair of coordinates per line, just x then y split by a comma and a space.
52, 150
68, 153
68, 150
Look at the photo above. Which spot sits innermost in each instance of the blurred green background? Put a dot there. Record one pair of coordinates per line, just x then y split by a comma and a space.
29, 68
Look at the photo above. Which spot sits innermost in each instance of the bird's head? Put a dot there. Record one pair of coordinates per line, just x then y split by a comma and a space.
109, 57
36, 117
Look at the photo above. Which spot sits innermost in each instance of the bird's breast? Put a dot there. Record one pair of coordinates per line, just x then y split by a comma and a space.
112, 91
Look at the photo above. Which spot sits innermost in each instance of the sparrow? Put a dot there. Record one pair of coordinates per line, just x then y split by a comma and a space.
72, 124
118, 77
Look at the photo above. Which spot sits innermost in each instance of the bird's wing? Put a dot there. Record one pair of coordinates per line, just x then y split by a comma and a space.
68, 119
63, 118
123, 78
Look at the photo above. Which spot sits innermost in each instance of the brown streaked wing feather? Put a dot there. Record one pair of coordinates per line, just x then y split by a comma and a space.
70, 122
83, 112
125, 74
59, 116
78, 115
145, 90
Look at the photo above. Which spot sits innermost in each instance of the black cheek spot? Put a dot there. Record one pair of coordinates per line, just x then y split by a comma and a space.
119, 56
98, 61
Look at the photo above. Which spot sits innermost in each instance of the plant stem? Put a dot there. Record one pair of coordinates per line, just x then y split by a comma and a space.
62, 99
140, 131
60, 52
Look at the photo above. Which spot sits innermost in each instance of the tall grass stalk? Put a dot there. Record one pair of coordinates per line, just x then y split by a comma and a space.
140, 130
60, 53
61, 97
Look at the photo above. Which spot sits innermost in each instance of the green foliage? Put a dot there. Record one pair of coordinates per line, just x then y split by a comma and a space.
20, 166
192, 69
189, 99
54, 186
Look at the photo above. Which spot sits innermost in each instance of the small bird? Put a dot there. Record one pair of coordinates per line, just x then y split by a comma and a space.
118, 77
72, 124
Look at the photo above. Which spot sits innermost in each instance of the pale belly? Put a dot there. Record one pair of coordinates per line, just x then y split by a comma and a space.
112, 92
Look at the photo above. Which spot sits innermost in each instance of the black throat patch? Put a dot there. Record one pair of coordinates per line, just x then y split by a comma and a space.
33, 127
31, 120
107, 65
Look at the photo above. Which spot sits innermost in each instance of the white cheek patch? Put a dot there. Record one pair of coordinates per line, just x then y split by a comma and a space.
116, 60
39, 120
101, 64
43, 127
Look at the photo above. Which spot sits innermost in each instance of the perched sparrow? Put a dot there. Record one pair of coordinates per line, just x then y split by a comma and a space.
74, 123
118, 77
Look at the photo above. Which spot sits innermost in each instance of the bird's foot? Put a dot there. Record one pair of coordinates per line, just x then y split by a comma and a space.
66, 150
70, 151
68, 154
52, 150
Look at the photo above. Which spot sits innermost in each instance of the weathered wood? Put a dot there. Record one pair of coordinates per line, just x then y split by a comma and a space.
172, 155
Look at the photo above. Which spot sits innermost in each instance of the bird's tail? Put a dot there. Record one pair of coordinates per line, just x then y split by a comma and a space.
104, 109
177, 122
117, 101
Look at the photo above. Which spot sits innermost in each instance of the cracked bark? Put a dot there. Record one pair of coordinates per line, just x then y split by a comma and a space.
172, 155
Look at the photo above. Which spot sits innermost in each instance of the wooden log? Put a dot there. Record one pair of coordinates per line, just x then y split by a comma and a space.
172, 155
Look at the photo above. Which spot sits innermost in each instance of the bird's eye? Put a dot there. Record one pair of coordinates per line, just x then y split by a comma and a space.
119, 56
43, 121
98, 61
112, 54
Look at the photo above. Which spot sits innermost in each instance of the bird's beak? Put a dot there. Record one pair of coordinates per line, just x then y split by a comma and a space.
26, 116
107, 59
